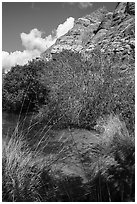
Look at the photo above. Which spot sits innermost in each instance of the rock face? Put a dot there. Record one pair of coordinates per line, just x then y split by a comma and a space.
106, 31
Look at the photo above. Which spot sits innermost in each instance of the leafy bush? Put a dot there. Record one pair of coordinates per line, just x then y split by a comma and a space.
22, 88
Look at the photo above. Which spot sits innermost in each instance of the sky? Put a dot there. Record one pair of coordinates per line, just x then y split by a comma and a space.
29, 28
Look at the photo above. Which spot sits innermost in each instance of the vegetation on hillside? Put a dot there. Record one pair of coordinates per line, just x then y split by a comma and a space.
69, 91
70, 88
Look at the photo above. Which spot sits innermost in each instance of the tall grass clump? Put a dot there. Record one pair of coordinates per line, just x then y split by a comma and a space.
113, 162
28, 176
25, 174
110, 170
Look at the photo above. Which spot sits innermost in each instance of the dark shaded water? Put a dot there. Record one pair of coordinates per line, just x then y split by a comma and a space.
10, 121
33, 131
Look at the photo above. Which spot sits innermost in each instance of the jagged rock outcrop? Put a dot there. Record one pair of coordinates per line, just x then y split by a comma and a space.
103, 30
78, 38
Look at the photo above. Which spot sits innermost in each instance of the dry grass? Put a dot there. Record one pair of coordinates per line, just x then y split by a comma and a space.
113, 167
110, 172
25, 174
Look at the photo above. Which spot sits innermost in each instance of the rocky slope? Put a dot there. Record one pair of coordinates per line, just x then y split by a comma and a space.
110, 32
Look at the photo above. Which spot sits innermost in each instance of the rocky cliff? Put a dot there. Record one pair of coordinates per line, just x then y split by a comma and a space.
109, 32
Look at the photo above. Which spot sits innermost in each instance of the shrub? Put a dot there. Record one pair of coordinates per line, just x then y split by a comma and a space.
82, 91
72, 85
22, 89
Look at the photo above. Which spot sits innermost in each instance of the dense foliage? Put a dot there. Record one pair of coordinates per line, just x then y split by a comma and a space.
22, 89
72, 91
81, 91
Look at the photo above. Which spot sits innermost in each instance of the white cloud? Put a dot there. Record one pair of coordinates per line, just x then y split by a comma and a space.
34, 41
34, 45
65, 27
17, 57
